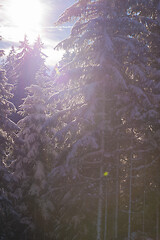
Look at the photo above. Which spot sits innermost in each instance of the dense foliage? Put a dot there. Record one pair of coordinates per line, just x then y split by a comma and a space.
80, 160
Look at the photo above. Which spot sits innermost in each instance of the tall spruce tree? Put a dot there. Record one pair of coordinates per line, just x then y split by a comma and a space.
32, 159
104, 96
21, 67
148, 14
9, 218
9, 67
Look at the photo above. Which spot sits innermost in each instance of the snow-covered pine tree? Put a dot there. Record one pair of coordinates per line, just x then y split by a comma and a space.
27, 61
9, 219
103, 101
6, 108
155, 33
9, 66
38, 57
149, 15
32, 159
22, 70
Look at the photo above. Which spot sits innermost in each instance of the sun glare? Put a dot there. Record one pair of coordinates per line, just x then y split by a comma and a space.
26, 17
29, 17
26, 14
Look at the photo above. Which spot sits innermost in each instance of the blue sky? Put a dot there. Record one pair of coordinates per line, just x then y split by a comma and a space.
50, 34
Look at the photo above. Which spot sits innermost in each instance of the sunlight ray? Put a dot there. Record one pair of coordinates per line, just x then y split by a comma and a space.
26, 14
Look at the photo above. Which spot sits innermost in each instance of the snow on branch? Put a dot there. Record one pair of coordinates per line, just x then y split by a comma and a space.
59, 171
133, 24
9, 124
147, 165
39, 171
140, 94
108, 42
86, 141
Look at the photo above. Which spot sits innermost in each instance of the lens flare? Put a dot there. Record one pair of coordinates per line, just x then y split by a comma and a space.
25, 13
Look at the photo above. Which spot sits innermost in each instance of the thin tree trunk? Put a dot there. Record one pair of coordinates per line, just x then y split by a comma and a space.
34, 233
144, 204
99, 215
106, 213
44, 229
130, 199
117, 198
157, 220
144, 200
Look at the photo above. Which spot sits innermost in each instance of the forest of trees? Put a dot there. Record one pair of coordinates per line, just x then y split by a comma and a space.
80, 147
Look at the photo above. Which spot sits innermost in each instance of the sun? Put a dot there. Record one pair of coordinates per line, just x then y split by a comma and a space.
27, 14
25, 17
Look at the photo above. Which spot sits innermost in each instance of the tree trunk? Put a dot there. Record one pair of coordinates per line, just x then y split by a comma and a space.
130, 199
117, 198
34, 219
99, 215
157, 219
44, 229
106, 213
144, 200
